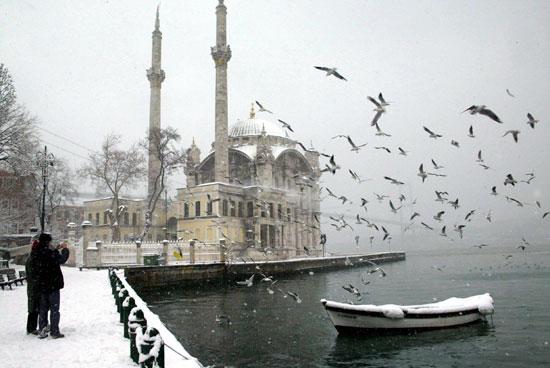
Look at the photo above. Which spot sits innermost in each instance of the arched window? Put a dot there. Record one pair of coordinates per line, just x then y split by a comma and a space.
126, 218
105, 221
186, 210
240, 209
134, 219
97, 218
209, 208
232, 208
197, 208
249, 209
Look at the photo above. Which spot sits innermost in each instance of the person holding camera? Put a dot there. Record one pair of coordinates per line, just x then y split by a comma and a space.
50, 283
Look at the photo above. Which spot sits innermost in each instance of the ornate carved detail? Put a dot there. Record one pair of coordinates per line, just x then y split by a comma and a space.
155, 77
220, 54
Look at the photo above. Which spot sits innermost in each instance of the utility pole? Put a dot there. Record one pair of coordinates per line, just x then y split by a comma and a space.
44, 162
166, 214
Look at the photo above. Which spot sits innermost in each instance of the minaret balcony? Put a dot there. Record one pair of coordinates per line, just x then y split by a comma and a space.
221, 54
155, 76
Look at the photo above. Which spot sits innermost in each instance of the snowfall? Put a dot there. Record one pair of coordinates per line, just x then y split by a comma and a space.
89, 321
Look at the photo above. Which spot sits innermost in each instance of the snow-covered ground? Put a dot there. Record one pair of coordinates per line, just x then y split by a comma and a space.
89, 320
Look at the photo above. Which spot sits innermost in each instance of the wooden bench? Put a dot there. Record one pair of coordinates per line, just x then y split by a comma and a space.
14, 279
4, 282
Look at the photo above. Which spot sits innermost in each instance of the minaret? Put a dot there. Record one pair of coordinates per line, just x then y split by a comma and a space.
156, 76
221, 53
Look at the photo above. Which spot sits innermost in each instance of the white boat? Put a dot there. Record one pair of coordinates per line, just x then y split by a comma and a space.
393, 318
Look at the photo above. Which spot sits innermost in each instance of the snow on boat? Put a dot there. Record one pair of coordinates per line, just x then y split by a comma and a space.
390, 317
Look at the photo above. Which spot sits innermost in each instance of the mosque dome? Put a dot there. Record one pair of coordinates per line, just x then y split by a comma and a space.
254, 126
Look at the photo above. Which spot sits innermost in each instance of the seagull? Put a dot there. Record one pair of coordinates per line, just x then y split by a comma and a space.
436, 166
383, 148
471, 132
538, 204
437, 217
382, 100
440, 197
377, 269
363, 202
402, 151
469, 214
522, 247
352, 289
386, 234
262, 108
510, 199
488, 216
532, 121
514, 133
332, 167
510, 180
330, 193
354, 147
380, 197
379, 131
416, 214
509, 93
432, 134
494, 190
455, 143
545, 214
422, 173
483, 110
356, 177
426, 226
393, 209
454, 204
248, 282
295, 296
379, 107
460, 229
443, 232
330, 71
479, 158
285, 125
480, 245
393, 181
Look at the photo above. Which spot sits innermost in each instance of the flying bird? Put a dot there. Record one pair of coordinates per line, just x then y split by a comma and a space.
248, 282
426, 226
532, 121
262, 109
379, 131
330, 71
509, 93
432, 134
286, 125
471, 132
383, 148
454, 204
437, 217
455, 143
402, 151
510, 199
295, 296
416, 214
443, 231
483, 110
479, 158
514, 133
436, 166
393, 208
440, 197
480, 246
393, 181
422, 173
469, 214
380, 197
510, 180
378, 105
355, 147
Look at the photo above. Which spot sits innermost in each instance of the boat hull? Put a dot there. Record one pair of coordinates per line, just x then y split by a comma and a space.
347, 321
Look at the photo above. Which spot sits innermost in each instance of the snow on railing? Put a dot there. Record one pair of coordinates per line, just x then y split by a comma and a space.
148, 335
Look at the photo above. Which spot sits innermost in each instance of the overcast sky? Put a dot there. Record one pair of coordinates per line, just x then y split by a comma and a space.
79, 67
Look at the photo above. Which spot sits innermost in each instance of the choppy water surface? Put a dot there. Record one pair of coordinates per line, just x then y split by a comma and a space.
268, 330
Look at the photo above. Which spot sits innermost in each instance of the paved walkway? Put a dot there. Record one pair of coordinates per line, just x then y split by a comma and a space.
93, 335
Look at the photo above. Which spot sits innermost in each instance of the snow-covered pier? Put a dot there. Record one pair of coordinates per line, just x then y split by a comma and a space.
90, 322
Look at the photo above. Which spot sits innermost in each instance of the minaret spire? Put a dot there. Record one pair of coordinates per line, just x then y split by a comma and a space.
221, 53
156, 76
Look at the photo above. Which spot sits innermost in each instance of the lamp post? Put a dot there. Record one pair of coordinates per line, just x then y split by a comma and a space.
44, 161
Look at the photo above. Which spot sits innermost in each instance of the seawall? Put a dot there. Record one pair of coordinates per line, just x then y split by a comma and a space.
143, 277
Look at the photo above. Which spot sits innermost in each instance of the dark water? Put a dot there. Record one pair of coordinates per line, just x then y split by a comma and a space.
268, 330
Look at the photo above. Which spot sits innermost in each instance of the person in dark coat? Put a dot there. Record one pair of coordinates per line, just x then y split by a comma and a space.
32, 268
50, 283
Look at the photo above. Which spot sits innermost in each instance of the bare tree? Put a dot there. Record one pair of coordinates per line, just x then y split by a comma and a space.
17, 138
60, 189
161, 143
114, 170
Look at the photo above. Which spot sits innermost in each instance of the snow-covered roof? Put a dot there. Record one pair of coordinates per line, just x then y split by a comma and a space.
251, 149
254, 126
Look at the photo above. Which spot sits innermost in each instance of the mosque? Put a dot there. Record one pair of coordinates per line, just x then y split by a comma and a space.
256, 188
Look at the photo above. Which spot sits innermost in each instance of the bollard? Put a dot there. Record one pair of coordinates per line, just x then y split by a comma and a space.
192, 252
121, 296
127, 305
136, 323
151, 349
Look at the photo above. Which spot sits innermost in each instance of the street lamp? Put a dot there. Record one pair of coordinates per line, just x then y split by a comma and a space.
44, 161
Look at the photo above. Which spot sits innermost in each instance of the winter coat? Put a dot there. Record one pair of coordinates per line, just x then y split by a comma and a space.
50, 275
32, 269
